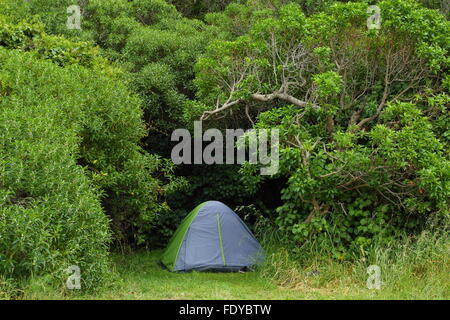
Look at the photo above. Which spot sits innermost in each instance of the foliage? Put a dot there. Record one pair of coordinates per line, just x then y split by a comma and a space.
198, 8
92, 125
359, 145
50, 213
32, 37
87, 117
409, 270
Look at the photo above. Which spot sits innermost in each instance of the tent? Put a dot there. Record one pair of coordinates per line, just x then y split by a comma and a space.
212, 238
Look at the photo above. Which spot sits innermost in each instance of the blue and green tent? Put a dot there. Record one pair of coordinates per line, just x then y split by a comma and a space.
212, 238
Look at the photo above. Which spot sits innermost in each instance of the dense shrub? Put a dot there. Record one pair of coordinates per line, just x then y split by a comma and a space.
361, 115
70, 144
198, 8
148, 38
50, 212
157, 48
32, 37
110, 146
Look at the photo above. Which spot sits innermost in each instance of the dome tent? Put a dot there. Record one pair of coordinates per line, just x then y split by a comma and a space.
212, 237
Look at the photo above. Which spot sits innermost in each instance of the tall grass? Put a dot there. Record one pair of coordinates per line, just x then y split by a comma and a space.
411, 267
8, 289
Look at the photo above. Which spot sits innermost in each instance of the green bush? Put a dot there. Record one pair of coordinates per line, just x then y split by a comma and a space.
362, 115
70, 144
50, 213
32, 37
112, 130
198, 8
364, 148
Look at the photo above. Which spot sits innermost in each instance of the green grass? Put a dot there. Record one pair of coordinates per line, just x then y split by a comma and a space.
138, 276
415, 268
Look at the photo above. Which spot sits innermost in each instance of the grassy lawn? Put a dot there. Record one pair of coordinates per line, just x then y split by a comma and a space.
138, 276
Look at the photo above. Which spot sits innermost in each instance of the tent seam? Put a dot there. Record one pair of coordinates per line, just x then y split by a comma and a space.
220, 240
